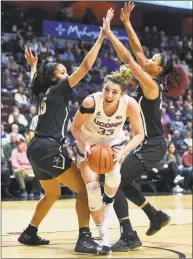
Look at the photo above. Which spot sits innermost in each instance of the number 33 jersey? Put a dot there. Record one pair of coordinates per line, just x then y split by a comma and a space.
101, 129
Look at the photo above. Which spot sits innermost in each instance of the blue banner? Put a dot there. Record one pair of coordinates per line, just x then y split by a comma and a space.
77, 31
176, 4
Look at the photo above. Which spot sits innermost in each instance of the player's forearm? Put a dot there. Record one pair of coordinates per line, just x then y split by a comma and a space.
133, 39
119, 47
92, 54
33, 71
78, 135
133, 143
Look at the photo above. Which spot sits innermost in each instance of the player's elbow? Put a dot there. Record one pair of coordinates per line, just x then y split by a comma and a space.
141, 136
86, 65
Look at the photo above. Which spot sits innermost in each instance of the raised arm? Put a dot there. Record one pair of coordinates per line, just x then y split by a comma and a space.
133, 39
88, 61
32, 61
149, 86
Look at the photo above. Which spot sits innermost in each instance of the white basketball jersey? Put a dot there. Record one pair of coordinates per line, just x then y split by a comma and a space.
101, 129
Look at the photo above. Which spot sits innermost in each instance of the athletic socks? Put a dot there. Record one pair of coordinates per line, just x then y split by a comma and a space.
150, 211
31, 230
125, 227
84, 230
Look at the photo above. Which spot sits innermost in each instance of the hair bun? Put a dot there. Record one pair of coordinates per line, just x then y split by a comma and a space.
125, 73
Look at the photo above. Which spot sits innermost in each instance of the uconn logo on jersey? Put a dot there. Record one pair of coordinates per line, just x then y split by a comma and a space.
107, 125
106, 128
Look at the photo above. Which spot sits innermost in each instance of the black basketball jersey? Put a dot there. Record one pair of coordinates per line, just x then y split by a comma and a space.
53, 111
150, 111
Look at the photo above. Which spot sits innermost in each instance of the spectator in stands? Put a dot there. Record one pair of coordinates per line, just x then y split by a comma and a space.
20, 82
169, 168
188, 137
21, 98
22, 129
8, 148
171, 112
32, 112
5, 138
16, 117
14, 128
177, 124
29, 34
178, 140
187, 160
187, 111
65, 13
12, 65
89, 17
68, 55
187, 170
5, 177
189, 126
8, 82
22, 168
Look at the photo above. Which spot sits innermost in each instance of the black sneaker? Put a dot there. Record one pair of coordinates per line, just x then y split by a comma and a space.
160, 221
129, 242
33, 240
86, 245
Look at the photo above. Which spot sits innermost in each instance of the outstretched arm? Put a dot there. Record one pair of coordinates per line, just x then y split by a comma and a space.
133, 39
149, 86
32, 61
89, 60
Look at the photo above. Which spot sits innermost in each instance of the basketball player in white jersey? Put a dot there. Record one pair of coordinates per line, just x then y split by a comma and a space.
100, 120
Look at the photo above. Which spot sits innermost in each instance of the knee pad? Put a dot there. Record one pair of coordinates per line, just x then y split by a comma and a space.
113, 178
94, 196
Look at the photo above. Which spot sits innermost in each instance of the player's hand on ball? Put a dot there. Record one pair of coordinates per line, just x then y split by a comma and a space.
87, 148
118, 157
31, 59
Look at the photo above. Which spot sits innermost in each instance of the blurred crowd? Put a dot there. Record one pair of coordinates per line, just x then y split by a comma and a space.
17, 113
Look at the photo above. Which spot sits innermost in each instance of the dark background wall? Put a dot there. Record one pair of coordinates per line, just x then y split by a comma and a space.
172, 20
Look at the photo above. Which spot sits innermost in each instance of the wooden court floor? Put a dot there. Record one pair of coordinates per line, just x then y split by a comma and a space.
60, 226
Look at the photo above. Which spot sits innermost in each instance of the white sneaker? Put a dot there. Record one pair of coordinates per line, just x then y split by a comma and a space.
178, 179
177, 189
105, 239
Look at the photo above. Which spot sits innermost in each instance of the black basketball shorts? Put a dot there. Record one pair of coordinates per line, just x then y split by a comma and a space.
151, 151
48, 158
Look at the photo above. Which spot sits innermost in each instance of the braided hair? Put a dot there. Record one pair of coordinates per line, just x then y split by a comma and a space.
42, 80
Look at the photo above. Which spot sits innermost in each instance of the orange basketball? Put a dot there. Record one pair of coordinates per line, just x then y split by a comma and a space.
100, 159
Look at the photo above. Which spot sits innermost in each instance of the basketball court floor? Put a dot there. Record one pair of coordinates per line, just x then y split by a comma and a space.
60, 226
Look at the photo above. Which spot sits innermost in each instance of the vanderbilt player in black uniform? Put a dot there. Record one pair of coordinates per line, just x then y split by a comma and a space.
50, 88
154, 75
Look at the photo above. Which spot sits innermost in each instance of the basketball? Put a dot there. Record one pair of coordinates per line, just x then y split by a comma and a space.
100, 159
